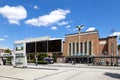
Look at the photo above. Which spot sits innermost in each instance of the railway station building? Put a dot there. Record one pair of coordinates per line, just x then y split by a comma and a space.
87, 47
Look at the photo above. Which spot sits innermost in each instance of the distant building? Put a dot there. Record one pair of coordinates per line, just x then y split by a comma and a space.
90, 48
2, 50
4, 56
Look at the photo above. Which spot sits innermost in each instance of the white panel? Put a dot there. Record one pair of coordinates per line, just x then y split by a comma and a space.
102, 42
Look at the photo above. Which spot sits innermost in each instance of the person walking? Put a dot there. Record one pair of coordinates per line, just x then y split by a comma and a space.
36, 59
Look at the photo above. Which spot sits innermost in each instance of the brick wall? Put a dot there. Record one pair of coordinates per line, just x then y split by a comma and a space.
84, 37
98, 45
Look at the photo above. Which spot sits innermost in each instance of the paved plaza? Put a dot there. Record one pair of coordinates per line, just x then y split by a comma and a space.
60, 72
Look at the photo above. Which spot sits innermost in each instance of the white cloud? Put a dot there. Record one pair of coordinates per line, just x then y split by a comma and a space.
2, 39
115, 34
68, 26
13, 14
46, 20
36, 7
53, 28
90, 29
63, 23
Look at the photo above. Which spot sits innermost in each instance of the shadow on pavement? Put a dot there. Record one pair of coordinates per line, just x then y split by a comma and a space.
113, 75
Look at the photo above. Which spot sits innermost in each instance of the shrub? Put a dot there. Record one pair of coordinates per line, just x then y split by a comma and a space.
30, 61
42, 62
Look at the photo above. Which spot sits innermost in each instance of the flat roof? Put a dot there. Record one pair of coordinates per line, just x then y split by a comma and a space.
82, 33
35, 39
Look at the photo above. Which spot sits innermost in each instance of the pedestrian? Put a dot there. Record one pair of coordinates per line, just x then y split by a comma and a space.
36, 59
72, 62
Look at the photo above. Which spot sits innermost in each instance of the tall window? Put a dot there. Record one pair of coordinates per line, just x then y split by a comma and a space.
77, 47
85, 47
69, 48
73, 48
81, 47
90, 48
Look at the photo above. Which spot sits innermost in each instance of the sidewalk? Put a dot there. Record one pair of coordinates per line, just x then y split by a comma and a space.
56, 66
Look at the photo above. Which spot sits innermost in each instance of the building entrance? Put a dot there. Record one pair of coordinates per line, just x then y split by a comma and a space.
78, 59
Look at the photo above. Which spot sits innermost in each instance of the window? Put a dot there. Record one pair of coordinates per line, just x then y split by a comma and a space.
77, 47
73, 48
81, 47
19, 47
85, 43
30, 47
90, 46
41, 46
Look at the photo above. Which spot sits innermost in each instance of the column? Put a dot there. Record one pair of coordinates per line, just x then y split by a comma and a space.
75, 47
71, 48
14, 57
92, 45
68, 49
83, 48
25, 56
79, 47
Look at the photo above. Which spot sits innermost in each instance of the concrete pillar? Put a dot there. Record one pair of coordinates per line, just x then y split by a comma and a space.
68, 49
80, 47
92, 45
25, 56
83, 47
14, 56
71, 48
75, 48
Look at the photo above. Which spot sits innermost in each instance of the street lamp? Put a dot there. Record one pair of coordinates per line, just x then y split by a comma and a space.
79, 29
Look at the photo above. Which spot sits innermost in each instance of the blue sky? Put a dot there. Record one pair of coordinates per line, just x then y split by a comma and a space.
21, 19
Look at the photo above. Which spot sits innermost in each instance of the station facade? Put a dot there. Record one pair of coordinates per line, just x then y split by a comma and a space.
88, 47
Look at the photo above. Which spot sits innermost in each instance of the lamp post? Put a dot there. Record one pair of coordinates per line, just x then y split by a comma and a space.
79, 29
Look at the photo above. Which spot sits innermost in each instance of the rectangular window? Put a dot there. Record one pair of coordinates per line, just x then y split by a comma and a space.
81, 47
77, 47
90, 46
85, 47
73, 48
30, 47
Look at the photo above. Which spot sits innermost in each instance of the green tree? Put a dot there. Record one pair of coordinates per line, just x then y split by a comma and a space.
7, 51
